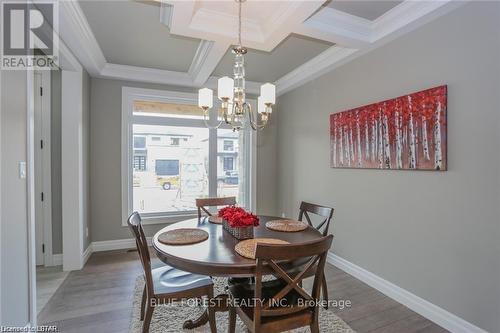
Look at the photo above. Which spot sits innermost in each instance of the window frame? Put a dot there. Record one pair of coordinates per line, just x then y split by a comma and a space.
129, 94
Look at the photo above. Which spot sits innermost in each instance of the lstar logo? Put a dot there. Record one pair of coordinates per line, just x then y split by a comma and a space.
29, 35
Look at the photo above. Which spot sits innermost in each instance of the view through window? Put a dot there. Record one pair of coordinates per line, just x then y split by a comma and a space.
172, 154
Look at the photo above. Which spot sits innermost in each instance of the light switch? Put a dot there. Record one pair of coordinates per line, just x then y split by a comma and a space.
22, 170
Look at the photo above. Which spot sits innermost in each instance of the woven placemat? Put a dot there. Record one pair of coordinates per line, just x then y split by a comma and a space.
286, 225
183, 236
215, 219
247, 247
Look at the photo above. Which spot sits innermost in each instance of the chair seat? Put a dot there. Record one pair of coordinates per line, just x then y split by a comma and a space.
243, 294
168, 280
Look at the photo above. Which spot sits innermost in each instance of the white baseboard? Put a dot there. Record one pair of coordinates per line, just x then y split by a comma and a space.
430, 311
117, 244
57, 259
87, 253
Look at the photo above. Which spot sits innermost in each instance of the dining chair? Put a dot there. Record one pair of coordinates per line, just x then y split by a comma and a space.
202, 203
166, 284
281, 304
326, 214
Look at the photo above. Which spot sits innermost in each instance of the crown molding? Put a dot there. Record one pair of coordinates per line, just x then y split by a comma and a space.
166, 14
75, 31
207, 57
143, 74
202, 53
317, 66
409, 15
151, 75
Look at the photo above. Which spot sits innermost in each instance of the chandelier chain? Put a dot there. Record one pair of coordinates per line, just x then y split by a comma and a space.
239, 23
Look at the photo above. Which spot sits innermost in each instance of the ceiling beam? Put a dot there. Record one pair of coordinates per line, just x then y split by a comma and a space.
74, 29
207, 57
337, 27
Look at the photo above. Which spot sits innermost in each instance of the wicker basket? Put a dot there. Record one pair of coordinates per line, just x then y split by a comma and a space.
238, 233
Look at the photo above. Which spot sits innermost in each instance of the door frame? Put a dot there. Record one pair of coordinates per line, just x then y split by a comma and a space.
43, 146
72, 209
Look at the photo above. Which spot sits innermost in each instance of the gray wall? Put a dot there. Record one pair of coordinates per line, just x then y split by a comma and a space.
14, 242
55, 151
105, 161
435, 234
86, 157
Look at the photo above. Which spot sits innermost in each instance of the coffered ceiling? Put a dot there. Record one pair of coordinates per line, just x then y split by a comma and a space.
188, 42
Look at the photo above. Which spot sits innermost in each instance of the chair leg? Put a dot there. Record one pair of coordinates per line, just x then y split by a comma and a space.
143, 303
211, 313
147, 318
314, 327
324, 286
232, 320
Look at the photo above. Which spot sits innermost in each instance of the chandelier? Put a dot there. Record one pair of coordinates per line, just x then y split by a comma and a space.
235, 110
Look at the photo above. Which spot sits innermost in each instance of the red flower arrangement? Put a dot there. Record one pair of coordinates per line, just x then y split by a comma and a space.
237, 217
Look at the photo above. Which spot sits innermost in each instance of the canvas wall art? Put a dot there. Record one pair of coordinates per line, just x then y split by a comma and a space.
407, 132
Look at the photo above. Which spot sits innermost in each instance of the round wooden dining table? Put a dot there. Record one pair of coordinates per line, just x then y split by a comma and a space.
216, 256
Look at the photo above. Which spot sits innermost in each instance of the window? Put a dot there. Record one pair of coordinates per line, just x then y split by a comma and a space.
167, 167
228, 183
228, 164
139, 163
139, 142
228, 145
173, 158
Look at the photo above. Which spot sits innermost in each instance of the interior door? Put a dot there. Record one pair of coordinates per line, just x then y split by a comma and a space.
38, 168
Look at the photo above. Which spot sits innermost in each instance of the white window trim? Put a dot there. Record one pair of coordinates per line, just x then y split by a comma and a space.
129, 94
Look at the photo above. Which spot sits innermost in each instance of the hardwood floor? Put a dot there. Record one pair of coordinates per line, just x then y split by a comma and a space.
99, 299
48, 280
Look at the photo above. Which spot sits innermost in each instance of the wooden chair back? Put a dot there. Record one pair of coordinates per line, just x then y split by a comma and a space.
135, 224
271, 255
202, 203
323, 211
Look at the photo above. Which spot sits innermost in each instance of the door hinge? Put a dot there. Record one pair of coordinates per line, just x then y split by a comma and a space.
41, 91
41, 196
41, 144
43, 248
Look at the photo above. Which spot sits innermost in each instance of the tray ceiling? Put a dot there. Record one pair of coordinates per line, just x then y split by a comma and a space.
187, 43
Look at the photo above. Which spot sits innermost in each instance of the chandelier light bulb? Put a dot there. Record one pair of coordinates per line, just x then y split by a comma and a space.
268, 93
225, 88
205, 98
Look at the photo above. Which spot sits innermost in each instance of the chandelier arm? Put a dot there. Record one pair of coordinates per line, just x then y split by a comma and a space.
254, 122
205, 112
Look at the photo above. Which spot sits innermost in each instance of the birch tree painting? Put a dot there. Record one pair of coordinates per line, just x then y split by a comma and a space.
408, 132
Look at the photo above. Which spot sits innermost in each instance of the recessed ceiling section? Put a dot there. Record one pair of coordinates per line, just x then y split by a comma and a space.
130, 33
263, 66
369, 10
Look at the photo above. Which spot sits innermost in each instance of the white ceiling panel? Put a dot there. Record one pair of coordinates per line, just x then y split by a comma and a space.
369, 10
270, 66
130, 33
